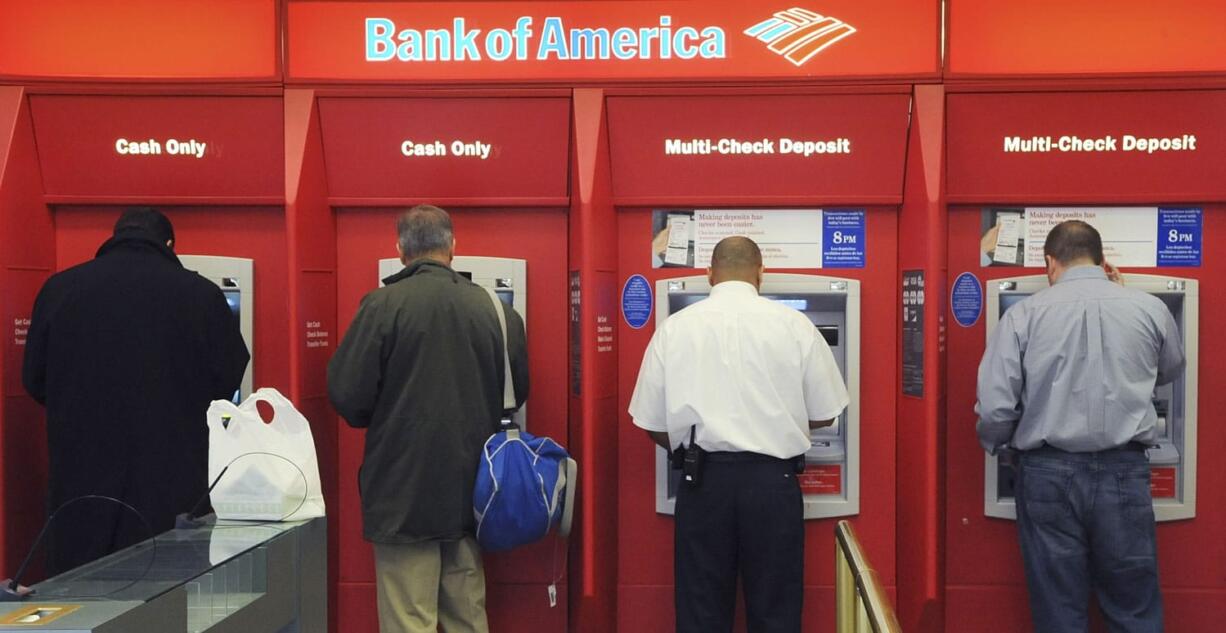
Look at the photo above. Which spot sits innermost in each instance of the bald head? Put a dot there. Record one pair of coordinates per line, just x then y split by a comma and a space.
1074, 242
736, 258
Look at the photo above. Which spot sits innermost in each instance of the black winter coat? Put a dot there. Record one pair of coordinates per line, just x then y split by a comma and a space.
421, 369
127, 351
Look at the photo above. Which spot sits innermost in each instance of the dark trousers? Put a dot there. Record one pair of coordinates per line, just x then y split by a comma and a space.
747, 518
1086, 522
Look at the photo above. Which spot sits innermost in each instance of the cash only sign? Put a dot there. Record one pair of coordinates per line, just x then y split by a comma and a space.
611, 39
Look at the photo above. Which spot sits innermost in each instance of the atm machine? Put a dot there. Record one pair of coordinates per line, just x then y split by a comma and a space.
831, 481
508, 278
1173, 456
235, 277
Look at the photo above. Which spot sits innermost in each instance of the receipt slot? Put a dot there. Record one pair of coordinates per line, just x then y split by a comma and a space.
831, 481
236, 278
508, 278
1172, 457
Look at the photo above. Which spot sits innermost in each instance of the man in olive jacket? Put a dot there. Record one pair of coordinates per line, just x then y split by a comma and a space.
421, 369
126, 351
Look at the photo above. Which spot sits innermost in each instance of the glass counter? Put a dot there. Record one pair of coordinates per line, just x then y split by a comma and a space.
223, 576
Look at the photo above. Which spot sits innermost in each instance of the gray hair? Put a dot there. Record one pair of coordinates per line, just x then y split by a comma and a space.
424, 229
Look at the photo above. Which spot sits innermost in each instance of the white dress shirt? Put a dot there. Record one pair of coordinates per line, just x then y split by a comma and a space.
747, 372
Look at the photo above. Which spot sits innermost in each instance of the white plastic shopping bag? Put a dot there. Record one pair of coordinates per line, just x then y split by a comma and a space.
270, 469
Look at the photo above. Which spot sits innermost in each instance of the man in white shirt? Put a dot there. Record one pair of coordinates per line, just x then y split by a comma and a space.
745, 379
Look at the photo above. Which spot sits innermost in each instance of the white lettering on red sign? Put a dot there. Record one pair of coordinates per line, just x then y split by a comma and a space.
733, 147
21, 328
1108, 143
604, 334
316, 337
154, 147
434, 149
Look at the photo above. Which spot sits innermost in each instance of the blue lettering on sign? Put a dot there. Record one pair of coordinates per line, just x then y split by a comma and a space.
843, 239
966, 299
1179, 236
637, 301
556, 41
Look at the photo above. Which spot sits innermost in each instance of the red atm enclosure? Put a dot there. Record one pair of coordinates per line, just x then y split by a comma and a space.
213, 164
1015, 153
660, 163
501, 172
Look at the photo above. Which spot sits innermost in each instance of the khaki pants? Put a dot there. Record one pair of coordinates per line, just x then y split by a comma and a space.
422, 585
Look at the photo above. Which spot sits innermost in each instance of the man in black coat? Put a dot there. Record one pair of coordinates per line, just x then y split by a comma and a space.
126, 351
421, 369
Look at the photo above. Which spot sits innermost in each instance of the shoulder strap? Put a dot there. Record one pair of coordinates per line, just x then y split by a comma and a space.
508, 388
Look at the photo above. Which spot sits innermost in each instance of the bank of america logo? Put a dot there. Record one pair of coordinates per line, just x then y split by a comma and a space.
799, 34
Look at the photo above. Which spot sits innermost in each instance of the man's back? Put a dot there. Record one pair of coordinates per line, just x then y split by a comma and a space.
1091, 353
126, 351
421, 368
748, 372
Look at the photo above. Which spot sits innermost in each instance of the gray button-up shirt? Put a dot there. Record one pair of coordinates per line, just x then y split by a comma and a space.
1075, 366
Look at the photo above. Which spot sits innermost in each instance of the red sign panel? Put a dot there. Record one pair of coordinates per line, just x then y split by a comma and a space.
821, 480
140, 39
1162, 483
611, 40
834, 147
1059, 37
1087, 147
107, 147
513, 148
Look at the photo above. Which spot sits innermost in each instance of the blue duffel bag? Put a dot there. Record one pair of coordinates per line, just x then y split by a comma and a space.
525, 484
525, 487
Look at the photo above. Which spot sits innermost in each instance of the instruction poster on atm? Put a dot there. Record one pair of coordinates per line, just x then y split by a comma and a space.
1138, 237
792, 238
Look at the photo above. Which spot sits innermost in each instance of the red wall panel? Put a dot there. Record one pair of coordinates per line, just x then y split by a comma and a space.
981, 170
865, 169
26, 259
921, 446
526, 158
140, 39
1079, 37
516, 580
78, 138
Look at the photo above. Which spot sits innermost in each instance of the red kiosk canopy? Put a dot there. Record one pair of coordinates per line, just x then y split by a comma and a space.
1051, 38
141, 40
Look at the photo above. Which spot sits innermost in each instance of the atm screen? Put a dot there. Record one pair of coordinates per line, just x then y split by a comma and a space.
1008, 300
799, 303
506, 294
234, 299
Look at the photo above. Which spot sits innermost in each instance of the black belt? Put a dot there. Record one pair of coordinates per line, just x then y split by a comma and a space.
1134, 446
730, 457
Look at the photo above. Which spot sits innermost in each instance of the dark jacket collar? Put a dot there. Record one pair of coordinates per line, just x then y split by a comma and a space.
418, 266
139, 241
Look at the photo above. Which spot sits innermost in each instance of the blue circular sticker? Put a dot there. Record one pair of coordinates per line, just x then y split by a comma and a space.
966, 299
636, 301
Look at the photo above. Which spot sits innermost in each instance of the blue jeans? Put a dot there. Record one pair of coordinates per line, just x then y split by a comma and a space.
1086, 521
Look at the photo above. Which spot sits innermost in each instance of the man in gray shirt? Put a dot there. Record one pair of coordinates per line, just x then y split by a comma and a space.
1068, 380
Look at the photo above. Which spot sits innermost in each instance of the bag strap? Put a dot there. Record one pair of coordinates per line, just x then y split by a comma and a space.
508, 388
